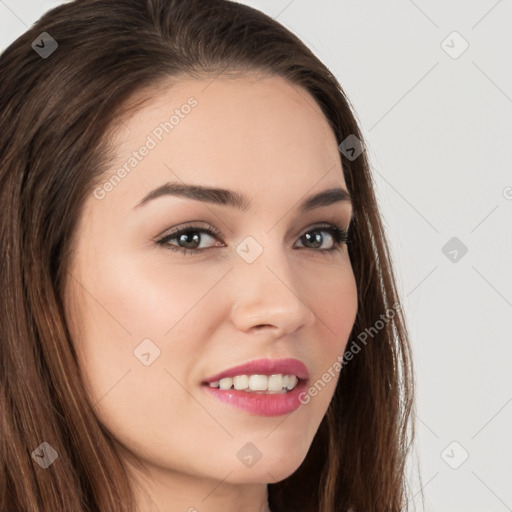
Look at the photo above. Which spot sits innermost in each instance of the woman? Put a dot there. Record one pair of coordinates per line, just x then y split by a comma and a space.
198, 308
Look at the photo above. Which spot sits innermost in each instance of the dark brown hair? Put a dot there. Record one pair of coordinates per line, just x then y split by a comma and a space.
57, 116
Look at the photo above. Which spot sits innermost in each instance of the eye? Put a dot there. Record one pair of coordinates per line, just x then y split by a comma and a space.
338, 235
190, 237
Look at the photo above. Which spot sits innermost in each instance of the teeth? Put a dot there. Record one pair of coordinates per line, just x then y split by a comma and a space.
292, 381
241, 382
273, 383
225, 383
258, 383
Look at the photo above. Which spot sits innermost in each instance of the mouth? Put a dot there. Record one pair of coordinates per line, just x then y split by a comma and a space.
262, 387
259, 402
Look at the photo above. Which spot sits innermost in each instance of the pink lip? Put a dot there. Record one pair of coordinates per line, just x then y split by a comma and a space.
259, 403
265, 367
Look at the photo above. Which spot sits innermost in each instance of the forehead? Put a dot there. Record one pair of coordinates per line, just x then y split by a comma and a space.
249, 132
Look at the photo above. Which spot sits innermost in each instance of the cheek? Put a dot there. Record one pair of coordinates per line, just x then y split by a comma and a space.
139, 403
127, 310
332, 296
333, 299
150, 296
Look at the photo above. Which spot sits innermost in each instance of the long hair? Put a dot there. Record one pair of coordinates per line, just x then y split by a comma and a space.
58, 111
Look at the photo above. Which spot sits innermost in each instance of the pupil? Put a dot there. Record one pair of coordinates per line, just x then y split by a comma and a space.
185, 236
316, 239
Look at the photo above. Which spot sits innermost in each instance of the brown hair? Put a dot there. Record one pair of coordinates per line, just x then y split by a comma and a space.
57, 115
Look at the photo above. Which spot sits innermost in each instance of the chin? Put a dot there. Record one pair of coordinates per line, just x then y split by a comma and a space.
270, 468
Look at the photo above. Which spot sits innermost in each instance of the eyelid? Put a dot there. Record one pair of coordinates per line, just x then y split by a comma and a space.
192, 226
340, 223
200, 226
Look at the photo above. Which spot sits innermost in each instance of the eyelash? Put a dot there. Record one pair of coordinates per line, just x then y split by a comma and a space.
340, 237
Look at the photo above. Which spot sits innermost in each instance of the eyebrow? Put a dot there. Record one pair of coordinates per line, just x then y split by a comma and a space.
237, 200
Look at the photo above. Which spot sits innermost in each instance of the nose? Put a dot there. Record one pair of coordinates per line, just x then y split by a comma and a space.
268, 294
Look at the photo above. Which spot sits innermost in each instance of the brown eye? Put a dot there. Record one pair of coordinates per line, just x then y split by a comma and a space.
313, 239
188, 239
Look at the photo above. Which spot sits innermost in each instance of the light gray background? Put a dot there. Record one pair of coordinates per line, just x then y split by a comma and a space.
439, 133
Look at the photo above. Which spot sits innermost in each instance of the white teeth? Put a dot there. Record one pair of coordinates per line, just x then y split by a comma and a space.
273, 383
241, 382
258, 383
225, 383
292, 382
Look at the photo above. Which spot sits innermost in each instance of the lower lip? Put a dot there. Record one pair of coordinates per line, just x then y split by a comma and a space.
261, 404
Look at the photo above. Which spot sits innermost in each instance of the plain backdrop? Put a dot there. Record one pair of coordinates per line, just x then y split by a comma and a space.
431, 84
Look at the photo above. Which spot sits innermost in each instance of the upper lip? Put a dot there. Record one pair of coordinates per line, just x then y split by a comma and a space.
287, 366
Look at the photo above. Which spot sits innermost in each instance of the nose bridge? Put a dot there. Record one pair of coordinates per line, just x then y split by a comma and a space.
268, 289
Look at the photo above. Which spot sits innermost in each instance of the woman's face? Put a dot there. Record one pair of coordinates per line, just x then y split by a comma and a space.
150, 324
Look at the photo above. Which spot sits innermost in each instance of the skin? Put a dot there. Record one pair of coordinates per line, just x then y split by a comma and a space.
269, 140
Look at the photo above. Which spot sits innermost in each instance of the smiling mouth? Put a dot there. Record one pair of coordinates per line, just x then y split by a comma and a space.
260, 402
